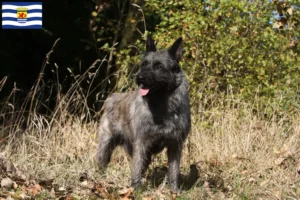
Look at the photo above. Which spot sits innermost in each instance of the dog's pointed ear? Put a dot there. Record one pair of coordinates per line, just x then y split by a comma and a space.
176, 49
150, 45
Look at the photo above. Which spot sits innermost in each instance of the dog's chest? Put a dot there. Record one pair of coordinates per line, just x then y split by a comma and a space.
159, 124
157, 119
164, 120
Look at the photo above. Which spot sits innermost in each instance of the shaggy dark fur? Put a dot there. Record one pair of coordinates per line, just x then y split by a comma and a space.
155, 116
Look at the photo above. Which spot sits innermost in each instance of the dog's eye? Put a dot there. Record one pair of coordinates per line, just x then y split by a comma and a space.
143, 64
158, 67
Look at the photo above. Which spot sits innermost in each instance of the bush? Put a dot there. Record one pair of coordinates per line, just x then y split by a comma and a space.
250, 47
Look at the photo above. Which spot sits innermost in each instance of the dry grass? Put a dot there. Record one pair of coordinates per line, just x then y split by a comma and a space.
249, 158
237, 154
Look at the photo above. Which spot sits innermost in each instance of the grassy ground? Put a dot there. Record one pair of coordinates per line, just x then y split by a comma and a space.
231, 153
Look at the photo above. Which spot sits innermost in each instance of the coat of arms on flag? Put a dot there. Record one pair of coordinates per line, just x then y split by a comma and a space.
21, 15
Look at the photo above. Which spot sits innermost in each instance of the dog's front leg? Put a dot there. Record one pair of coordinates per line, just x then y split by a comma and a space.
139, 160
174, 155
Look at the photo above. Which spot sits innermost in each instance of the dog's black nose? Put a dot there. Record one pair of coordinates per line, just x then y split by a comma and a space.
140, 78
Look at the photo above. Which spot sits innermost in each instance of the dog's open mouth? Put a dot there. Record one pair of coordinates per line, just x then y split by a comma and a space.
144, 91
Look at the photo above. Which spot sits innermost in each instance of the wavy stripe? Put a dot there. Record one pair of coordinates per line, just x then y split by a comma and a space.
22, 27
14, 15
21, 3
13, 7
15, 19
14, 23
28, 11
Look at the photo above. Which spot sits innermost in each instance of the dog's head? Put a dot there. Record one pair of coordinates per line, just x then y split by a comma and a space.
159, 70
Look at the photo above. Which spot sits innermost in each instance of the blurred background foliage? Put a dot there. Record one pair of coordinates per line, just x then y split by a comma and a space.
247, 48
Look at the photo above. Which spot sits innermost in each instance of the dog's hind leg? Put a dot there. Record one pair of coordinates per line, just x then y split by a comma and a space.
105, 150
147, 163
107, 143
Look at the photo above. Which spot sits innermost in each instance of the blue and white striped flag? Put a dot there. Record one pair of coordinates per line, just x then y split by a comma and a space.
21, 15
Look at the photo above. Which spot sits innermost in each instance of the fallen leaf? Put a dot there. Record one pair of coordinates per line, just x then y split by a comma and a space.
125, 193
5, 194
22, 195
263, 183
252, 180
208, 190
87, 184
15, 185
34, 190
276, 151
102, 192
284, 154
279, 161
7, 183
84, 183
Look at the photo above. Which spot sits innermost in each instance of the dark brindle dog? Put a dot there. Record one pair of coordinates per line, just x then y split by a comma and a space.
155, 116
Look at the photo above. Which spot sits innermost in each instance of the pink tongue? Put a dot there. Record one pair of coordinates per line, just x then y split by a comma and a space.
143, 92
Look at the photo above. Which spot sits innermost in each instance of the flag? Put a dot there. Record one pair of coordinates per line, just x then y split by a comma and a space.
21, 15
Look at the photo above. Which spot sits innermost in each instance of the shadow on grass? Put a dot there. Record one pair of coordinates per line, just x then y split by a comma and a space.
159, 177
